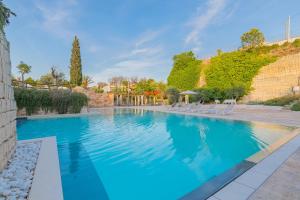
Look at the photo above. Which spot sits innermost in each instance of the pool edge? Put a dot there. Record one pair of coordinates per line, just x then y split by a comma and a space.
46, 182
212, 188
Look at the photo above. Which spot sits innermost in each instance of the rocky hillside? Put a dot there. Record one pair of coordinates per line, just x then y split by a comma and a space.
276, 79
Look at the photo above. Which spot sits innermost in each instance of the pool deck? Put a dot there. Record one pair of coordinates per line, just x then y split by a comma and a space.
259, 113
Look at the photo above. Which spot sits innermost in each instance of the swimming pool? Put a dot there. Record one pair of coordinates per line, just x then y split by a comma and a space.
137, 154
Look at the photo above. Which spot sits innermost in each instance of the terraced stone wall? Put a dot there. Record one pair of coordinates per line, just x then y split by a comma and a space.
276, 79
7, 105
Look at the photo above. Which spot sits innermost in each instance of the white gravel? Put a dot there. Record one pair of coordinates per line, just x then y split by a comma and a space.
16, 179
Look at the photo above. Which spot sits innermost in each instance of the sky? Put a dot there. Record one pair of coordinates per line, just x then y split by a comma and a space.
136, 37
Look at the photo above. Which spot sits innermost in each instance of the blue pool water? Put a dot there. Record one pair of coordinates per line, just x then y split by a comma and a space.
135, 154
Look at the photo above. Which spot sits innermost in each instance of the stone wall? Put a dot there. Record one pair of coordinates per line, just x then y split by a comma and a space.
7, 105
96, 100
276, 79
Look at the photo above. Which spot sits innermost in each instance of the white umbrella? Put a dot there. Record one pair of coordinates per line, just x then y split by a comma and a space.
187, 93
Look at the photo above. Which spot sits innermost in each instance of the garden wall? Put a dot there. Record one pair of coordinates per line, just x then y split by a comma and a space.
96, 100
276, 79
7, 105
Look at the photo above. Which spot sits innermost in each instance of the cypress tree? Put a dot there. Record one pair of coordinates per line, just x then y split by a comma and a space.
76, 67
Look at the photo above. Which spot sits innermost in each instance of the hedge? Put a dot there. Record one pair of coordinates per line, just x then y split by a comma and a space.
61, 101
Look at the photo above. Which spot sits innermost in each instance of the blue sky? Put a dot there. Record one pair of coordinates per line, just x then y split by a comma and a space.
136, 37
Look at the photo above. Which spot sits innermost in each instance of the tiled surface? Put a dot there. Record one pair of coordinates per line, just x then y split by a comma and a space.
234, 191
252, 179
284, 183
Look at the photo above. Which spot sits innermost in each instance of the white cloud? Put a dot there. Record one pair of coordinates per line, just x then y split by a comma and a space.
130, 68
57, 18
202, 20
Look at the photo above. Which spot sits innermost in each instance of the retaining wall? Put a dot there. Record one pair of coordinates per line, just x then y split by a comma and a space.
7, 105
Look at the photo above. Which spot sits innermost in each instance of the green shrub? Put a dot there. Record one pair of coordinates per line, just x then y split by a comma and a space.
282, 101
296, 106
211, 94
172, 95
185, 72
296, 43
78, 100
235, 69
61, 101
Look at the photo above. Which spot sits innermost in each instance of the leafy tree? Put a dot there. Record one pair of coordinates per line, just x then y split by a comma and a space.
23, 69
5, 14
86, 81
172, 95
252, 38
46, 80
185, 72
76, 67
31, 81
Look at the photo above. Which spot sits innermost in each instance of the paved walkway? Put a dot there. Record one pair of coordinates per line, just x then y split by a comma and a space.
270, 114
284, 183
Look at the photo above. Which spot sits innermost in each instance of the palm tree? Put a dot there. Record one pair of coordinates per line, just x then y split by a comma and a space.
23, 69
86, 80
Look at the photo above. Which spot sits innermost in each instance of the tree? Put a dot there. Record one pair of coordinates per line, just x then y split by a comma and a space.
58, 77
23, 69
5, 14
31, 81
86, 81
76, 67
101, 85
252, 38
46, 80
185, 72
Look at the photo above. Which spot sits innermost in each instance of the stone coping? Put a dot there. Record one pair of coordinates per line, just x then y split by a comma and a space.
46, 182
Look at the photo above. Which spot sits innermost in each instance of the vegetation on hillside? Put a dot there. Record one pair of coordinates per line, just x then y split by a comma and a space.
253, 38
60, 101
235, 69
76, 67
282, 101
185, 72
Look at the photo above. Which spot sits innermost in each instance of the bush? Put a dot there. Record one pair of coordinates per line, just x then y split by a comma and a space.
78, 100
211, 94
296, 43
172, 95
282, 101
296, 106
61, 101
235, 69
